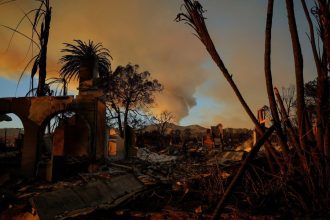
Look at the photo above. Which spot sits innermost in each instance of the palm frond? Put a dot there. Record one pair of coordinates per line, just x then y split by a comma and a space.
22, 34
80, 52
6, 1
22, 73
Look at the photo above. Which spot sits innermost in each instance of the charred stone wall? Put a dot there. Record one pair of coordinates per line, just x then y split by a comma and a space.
35, 113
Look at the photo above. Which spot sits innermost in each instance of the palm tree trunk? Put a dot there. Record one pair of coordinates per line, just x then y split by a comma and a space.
269, 81
44, 35
298, 61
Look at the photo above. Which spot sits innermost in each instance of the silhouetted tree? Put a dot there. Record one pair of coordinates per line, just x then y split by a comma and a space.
129, 90
288, 95
139, 119
163, 122
311, 98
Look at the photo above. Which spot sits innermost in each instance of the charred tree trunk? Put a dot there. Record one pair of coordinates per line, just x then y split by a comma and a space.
298, 62
217, 212
324, 22
322, 104
323, 107
126, 116
44, 35
269, 82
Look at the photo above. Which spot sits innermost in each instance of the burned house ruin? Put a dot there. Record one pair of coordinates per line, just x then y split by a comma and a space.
82, 134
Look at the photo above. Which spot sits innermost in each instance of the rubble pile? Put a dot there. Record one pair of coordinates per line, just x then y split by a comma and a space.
175, 183
147, 155
163, 184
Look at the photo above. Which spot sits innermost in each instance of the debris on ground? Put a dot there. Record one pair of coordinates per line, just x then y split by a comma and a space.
81, 200
147, 155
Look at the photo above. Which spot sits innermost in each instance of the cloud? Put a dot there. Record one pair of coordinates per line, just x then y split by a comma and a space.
139, 32
143, 32
240, 42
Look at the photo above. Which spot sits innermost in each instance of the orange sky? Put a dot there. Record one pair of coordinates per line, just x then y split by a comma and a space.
143, 32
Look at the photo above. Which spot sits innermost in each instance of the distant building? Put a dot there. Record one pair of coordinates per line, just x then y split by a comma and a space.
207, 140
217, 134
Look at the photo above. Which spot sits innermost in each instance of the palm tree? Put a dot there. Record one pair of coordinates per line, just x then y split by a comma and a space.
84, 55
41, 60
42, 19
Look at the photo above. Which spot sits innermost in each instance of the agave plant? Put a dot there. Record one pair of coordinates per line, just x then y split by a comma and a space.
53, 87
87, 54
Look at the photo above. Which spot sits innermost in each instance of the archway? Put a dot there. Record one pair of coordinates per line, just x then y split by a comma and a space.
11, 142
66, 145
36, 112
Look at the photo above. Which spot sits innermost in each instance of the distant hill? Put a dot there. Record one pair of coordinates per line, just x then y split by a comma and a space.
196, 129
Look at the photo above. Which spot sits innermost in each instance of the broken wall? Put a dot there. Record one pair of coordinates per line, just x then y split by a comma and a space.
35, 113
72, 138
